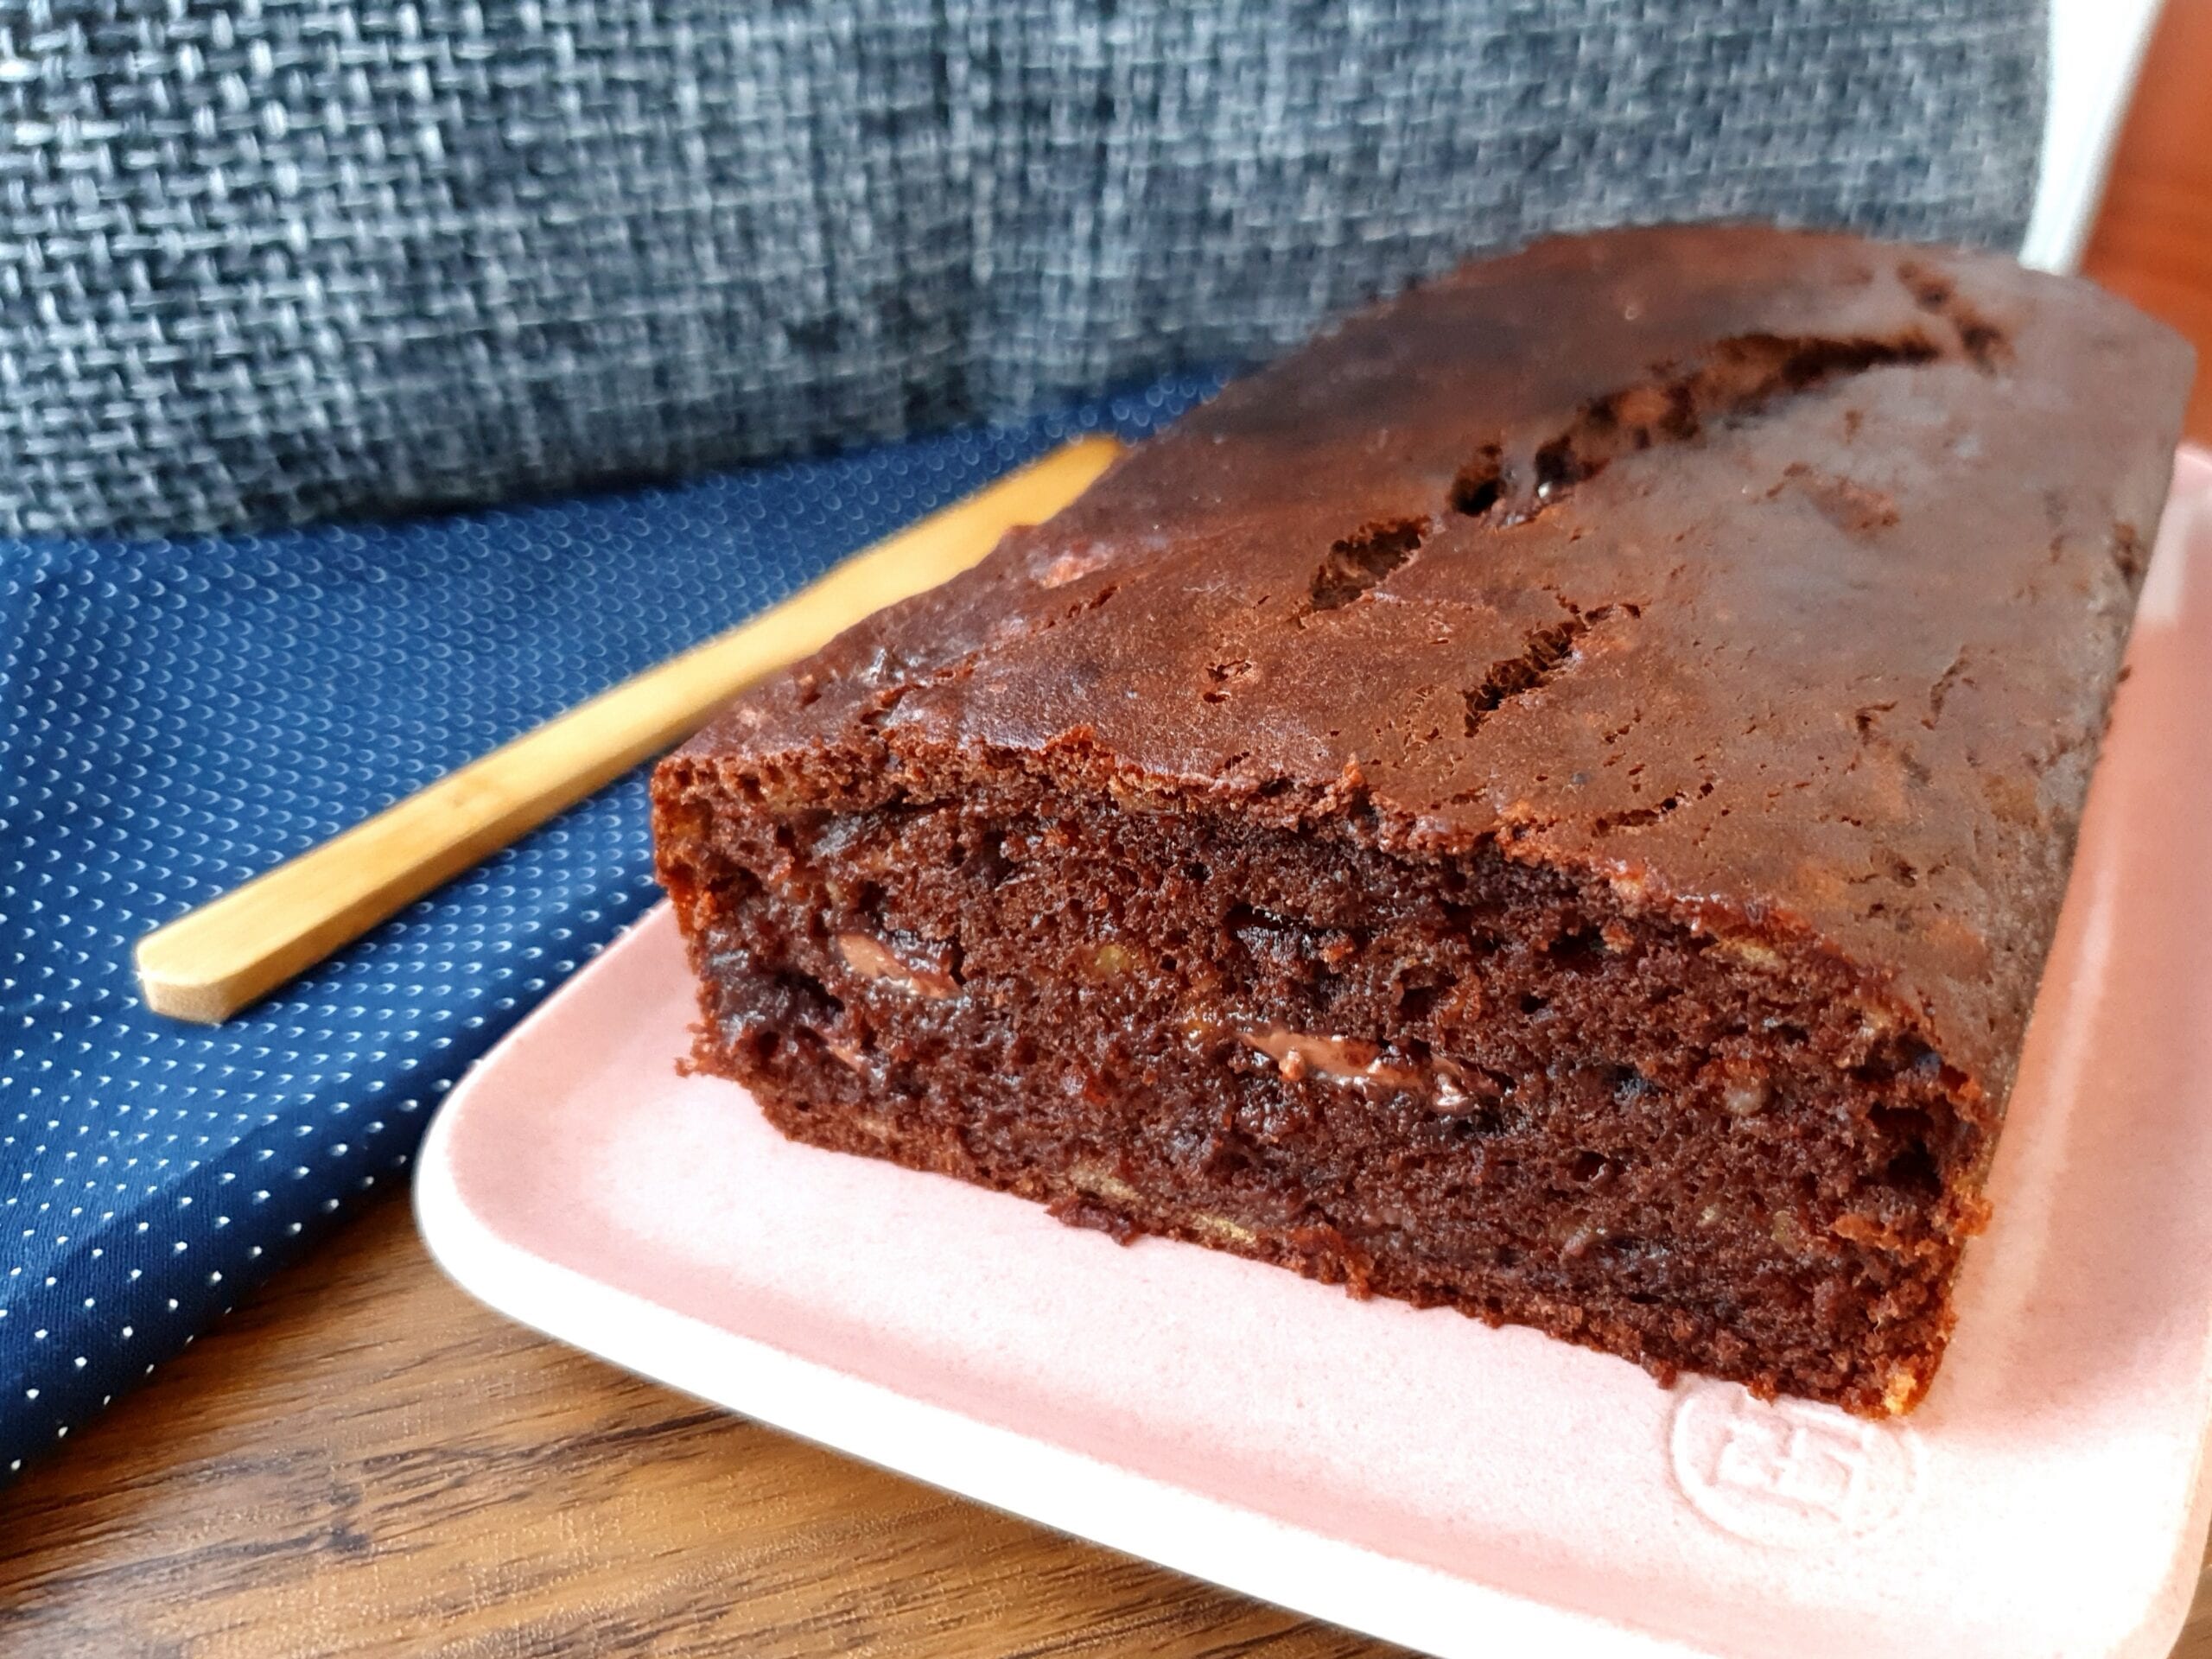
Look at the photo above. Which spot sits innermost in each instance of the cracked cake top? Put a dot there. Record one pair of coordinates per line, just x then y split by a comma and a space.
1778, 577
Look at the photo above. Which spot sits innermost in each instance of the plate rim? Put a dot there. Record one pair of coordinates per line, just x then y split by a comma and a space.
1057, 1486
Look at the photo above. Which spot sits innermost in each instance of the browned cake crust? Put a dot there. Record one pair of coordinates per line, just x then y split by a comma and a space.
1553, 799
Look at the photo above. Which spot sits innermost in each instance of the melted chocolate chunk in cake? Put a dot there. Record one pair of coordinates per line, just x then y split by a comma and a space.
1552, 799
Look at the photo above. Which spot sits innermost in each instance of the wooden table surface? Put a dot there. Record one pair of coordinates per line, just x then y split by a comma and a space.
2152, 243
363, 1459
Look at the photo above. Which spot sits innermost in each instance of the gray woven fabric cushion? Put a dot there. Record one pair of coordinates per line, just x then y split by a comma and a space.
265, 260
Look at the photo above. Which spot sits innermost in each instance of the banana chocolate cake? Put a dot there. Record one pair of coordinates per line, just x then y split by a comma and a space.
1552, 799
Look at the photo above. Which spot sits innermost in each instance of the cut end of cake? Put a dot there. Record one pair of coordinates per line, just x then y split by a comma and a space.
1471, 1083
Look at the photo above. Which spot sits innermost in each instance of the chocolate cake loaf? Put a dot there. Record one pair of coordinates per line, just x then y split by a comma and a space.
1552, 799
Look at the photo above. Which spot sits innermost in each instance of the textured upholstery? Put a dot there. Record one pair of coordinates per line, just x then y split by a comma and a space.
269, 260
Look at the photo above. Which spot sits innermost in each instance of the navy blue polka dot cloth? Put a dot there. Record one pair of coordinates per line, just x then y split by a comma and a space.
176, 717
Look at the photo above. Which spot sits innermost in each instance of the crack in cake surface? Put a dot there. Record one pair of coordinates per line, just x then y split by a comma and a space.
1363, 560
1736, 379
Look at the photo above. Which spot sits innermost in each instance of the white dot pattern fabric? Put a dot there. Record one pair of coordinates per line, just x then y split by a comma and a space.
177, 716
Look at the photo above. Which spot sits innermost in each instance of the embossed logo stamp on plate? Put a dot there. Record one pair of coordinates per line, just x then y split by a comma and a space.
1791, 1475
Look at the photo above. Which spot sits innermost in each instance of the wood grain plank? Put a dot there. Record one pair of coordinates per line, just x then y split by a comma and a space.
2152, 243
2196, 1641
361, 1458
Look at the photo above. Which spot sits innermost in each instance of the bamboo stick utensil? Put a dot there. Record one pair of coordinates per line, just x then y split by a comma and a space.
231, 952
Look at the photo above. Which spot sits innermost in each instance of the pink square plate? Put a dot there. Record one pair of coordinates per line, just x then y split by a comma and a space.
1414, 1474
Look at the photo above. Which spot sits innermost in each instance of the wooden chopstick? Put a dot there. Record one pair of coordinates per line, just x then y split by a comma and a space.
211, 962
